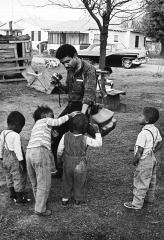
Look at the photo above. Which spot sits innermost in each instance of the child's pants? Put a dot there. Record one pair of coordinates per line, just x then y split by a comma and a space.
74, 178
144, 181
39, 161
14, 178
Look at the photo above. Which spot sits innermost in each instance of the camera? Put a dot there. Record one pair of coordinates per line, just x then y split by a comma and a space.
56, 77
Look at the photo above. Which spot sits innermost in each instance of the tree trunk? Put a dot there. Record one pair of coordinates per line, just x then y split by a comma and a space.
103, 43
162, 49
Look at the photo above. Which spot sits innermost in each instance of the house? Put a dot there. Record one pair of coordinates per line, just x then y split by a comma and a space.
34, 27
71, 32
129, 38
83, 33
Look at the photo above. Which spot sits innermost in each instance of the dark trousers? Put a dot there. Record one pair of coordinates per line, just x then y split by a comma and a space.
71, 107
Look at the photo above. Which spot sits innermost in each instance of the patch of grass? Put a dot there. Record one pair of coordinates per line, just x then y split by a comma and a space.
110, 174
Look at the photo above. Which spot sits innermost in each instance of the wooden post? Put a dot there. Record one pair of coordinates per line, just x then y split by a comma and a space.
10, 27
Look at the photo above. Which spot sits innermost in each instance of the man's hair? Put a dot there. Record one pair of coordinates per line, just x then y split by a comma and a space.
79, 123
16, 118
40, 111
151, 114
65, 50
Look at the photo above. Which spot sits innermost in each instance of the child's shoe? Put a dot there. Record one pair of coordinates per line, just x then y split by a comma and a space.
131, 206
44, 214
65, 202
21, 198
79, 202
13, 194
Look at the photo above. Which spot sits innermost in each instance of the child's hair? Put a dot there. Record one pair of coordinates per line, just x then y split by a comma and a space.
78, 124
151, 114
41, 112
16, 118
65, 50
109, 69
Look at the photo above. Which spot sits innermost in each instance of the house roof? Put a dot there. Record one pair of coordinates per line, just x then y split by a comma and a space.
82, 25
34, 21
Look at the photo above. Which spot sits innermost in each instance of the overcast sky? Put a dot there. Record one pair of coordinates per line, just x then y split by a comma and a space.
14, 9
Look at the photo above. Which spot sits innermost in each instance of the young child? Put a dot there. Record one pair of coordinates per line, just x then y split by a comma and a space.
72, 148
11, 153
39, 156
148, 142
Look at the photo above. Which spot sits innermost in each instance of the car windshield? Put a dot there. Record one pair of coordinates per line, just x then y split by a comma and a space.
109, 47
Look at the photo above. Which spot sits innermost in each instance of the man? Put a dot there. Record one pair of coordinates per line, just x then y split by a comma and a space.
81, 89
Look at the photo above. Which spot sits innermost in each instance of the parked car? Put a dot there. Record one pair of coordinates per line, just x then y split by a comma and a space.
116, 55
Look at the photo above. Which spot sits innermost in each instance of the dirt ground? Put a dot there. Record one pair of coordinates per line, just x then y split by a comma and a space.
110, 170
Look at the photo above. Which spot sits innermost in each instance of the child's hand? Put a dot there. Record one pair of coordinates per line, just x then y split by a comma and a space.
54, 133
22, 166
131, 149
1, 163
135, 162
73, 114
96, 128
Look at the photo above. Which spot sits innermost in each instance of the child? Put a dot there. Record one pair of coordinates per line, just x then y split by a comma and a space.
72, 148
39, 156
148, 142
13, 158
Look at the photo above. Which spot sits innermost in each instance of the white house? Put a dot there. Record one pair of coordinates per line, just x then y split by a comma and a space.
82, 33
71, 32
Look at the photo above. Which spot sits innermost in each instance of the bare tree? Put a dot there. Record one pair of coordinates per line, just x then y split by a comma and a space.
103, 12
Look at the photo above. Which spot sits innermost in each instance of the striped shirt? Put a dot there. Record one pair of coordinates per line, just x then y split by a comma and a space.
41, 132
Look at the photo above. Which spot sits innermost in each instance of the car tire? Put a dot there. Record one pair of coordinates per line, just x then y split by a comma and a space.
126, 63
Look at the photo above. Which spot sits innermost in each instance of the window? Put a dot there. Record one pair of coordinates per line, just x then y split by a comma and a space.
54, 38
96, 38
136, 41
39, 35
35, 35
84, 38
115, 38
32, 35
72, 38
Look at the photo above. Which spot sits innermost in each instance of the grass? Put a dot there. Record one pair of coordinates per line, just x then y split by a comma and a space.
110, 172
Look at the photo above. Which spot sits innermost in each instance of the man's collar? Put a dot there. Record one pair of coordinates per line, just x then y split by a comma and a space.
79, 67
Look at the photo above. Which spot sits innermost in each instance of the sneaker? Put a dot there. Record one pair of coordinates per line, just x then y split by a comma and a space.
44, 214
57, 174
78, 202
22, 200
65, 203
131, 206
53, 172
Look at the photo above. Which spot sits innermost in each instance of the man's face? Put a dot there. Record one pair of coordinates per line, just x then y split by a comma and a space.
69, 62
